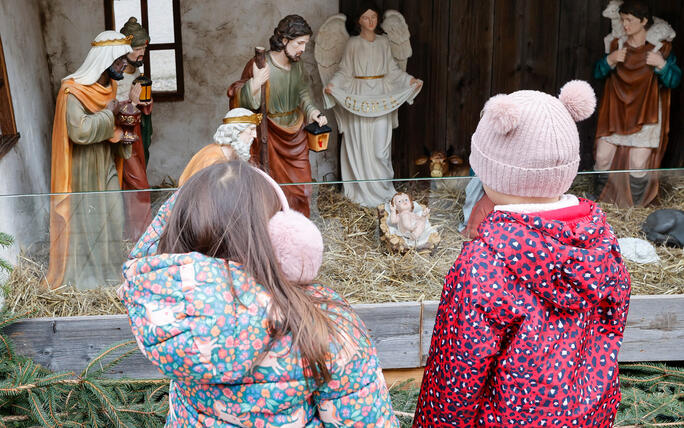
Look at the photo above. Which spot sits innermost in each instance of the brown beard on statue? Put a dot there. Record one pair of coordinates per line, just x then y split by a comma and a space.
292, 58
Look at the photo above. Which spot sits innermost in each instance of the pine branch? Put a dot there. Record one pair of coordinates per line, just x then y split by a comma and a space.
6, 240
32, 394
7, 319
103, 396
4, 265
103, 369
104, 354
38, 411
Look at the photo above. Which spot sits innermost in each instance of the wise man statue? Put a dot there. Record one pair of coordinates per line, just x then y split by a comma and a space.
86, 229
232, 141
289, 107
137, 204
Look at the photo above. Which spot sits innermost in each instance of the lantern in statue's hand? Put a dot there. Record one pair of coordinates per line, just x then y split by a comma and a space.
318, 136
145, 88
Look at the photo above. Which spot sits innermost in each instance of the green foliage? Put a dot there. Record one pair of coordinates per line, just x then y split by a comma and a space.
5, 242
31, 395
652, 395
404, 398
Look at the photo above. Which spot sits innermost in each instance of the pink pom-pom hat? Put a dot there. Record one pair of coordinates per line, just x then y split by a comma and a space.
527, 144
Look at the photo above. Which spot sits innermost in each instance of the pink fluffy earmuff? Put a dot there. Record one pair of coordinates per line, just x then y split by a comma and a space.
297, 242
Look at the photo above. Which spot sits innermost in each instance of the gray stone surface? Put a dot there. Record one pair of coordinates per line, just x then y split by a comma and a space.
219, 37
26, 168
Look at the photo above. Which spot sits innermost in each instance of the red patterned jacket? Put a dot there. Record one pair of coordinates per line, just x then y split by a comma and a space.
529, 325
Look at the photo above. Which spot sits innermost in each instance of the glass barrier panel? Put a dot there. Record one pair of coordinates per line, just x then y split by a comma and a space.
79, 239
366, 259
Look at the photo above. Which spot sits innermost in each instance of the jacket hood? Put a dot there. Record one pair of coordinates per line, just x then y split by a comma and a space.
187, 302
569, 258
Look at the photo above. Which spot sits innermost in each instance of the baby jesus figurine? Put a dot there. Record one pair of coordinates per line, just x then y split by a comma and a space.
410, 224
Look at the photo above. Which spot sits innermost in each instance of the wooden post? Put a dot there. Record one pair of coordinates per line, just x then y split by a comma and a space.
262, 131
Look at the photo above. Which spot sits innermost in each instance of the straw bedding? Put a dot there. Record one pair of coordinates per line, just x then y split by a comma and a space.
358, 266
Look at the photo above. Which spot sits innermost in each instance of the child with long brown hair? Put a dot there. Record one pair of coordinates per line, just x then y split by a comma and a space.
220, 296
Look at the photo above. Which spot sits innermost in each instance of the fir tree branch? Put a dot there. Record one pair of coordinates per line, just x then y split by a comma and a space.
665, 424
103, 369
104, 354
6, 240
38, 411
103, 398
4, 322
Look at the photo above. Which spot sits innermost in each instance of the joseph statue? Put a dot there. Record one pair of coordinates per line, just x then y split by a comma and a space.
86, 229
289, 107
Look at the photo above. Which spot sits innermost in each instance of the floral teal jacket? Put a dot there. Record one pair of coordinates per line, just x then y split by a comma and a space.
203, 322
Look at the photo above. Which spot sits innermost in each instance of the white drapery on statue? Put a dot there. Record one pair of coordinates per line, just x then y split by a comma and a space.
100, 57
368, 86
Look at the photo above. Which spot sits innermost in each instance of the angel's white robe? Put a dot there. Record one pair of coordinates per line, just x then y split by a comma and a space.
366, 151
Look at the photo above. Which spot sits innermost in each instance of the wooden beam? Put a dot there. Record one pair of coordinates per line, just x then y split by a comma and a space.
655, 332
7, 142
394, 328
8, 125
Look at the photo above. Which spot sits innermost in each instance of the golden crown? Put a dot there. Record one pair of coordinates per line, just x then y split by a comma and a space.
252, 118
116, 42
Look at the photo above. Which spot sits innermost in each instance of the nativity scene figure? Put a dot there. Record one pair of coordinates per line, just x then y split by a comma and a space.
86, 230
365, 83
640, 70
289, 108
136, 110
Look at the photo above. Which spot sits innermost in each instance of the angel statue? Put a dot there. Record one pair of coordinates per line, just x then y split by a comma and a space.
365, 83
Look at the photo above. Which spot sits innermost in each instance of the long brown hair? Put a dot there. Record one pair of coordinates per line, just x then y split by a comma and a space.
223, 212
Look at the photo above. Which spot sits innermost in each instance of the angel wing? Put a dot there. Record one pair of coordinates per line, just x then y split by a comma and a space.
399, 36
331, 40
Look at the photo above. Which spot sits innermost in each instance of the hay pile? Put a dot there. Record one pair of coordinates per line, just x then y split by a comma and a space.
27, 291
358, 266
667, 277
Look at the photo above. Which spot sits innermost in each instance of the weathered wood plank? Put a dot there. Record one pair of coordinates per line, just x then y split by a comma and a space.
429, 315
655, 332
655, 329
437, 79
395, 329
580, 41
541, 45
416, 128
508, 47
672, 12
69, 343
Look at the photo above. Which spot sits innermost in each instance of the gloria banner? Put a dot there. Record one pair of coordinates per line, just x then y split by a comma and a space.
374, 105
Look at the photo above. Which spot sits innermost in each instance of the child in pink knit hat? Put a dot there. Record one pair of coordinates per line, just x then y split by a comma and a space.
532, 313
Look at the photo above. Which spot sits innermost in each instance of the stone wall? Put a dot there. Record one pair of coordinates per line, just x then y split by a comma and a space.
218, 39
26, 168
